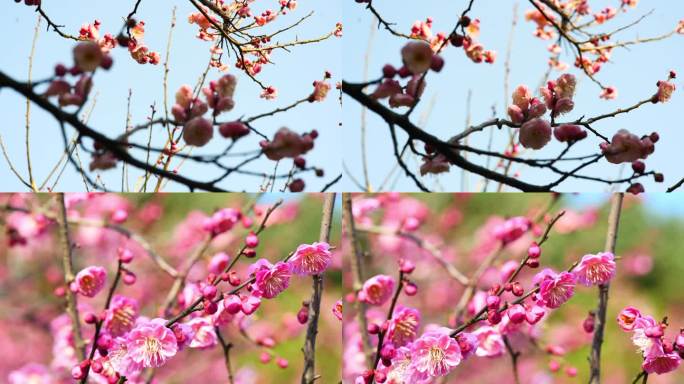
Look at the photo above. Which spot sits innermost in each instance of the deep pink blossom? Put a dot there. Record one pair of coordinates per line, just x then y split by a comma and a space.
121, 315
89, 281
403, 327
271, 279
554, 291
595, 269
311, 259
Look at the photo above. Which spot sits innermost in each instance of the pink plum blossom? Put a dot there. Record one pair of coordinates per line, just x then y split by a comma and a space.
151, 343
311, 259
377, 290
89, 281
595, 269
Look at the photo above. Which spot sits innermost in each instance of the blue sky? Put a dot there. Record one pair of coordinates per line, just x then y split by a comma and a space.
293, 75
633, 72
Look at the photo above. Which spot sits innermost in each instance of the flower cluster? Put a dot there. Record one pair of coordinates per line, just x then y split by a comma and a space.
660, 356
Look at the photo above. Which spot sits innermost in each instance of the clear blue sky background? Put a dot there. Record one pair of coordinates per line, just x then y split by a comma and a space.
293, 76
633, 72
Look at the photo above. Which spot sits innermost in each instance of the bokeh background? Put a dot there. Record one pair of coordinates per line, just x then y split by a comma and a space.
29, 274
292, 74
648, 277
443, 110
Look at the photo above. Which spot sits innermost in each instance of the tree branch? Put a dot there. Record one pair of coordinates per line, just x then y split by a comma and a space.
309, 349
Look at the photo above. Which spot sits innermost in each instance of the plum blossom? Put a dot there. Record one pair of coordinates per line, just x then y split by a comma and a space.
151, 343
626, 147
665, 91
222, 221
89, 281
417, 56
311, 259
535, 134
286, 143
377, 290
87, 56
121, 315
435, 354
569, 132
403, 327
204, 334
489, 342
388, 88
198, 131
595, 269
435, 165
658, 362
337, 309
512, 229
271, 279
554, 290
321, 89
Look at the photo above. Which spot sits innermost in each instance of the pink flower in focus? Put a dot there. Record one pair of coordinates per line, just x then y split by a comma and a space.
403, 327
377, 290
311, 259
665, 91
435, 354
641, 339
595, 269
661, 362
151, 343
554, 291
89, 281
120, 360
271, 279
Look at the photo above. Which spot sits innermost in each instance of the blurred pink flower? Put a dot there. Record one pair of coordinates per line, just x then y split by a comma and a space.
377, 290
